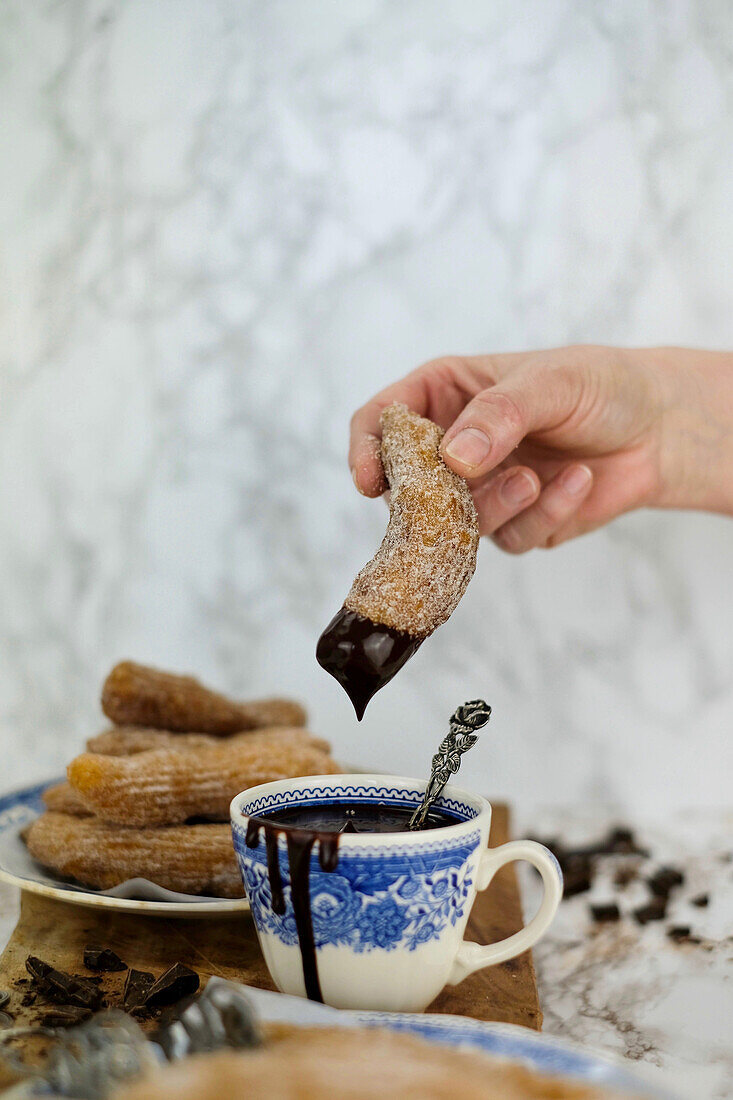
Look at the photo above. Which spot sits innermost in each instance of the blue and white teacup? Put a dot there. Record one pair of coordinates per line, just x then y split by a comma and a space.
387, 918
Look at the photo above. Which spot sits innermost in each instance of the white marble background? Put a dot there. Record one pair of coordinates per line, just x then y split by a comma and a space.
225, 224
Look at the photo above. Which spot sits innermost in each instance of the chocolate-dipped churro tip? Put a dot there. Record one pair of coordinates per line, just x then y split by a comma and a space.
363, 656
420, 572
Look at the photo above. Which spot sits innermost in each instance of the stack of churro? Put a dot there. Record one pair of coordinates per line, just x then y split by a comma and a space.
150, 796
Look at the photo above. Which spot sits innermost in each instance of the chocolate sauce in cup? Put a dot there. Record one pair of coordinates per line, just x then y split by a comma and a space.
354, 909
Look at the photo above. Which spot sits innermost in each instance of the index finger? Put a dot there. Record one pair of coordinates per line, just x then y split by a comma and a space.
438, 389
366, 433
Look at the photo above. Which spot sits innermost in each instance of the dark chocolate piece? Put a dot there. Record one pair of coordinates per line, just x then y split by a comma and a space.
65, 1016
63, 988
579, 864
664, 881
137, 985
656, 909
681, 933
179, 981
577, 873
102, 958
363, 656
701, 901
624, 876
618, 841
603, 913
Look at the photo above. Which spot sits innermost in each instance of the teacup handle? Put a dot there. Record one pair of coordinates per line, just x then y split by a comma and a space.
475, 956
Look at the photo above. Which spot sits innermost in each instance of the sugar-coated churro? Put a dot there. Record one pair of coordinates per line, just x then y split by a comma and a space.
419, 574
135, 695
128, 740
192, 859
167, 786
63, 797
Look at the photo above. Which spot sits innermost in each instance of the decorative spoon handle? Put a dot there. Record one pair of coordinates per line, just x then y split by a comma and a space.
463, 734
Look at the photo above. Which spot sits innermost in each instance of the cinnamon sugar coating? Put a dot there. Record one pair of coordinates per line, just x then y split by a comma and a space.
166, 786
63, 798
192, 859
136, 695
417, 577
128, 740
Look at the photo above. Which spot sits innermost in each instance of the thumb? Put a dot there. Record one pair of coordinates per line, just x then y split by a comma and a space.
496, 420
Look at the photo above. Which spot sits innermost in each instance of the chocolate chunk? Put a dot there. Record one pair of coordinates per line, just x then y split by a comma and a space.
178, 981
65, 1016
577, 874
101, 958
618, 841
608, 912
579, 864
63, 988
681, 933
28, 999
621, 836
701, 901
663, 881
624, 876
656, 909
137, 985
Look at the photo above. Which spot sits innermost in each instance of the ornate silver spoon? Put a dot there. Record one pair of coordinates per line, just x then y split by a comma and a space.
463, 734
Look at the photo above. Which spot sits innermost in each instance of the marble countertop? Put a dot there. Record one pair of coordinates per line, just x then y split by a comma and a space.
621, 988
629, 990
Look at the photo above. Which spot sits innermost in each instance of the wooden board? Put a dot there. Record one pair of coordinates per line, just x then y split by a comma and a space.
58, 932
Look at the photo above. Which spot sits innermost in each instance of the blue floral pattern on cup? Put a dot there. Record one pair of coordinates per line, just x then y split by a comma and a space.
372, 900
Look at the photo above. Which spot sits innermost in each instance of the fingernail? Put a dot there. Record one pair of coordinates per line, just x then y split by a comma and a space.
576, 480
517, 488
355, 480
470, 447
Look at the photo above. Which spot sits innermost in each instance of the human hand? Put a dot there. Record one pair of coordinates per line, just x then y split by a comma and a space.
556, 443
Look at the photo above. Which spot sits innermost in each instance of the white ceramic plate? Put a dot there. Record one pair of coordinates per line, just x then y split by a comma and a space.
19, 808
543, 1053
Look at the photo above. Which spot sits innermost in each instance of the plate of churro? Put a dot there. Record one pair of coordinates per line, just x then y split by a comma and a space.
141, 821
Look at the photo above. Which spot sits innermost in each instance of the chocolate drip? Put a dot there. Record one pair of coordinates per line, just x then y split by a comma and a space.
300, 845
273, 870
328, 851
363, 656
